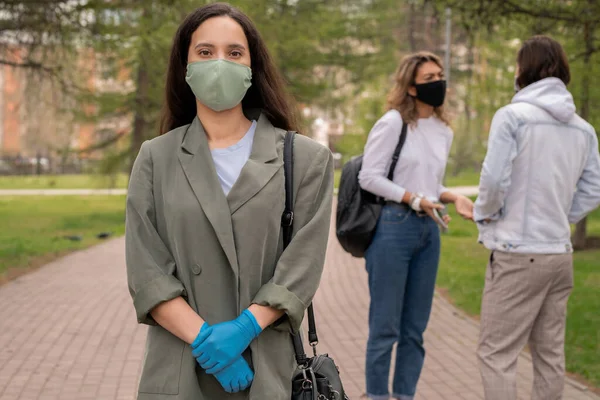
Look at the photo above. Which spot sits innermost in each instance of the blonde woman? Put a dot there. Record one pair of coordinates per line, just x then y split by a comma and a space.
402, 260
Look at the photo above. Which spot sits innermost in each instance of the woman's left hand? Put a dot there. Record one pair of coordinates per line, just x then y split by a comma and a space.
464, 207
446, 218
219, 345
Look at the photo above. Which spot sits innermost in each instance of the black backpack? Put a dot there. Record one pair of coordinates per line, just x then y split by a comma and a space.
358, 210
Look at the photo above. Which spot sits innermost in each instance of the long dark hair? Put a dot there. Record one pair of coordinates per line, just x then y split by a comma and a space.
266, 93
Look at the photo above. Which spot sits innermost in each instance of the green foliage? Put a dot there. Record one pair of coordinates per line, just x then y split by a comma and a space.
350, 145
331, 52
326, 50
498, 27
111, 166
366, 110
486, 37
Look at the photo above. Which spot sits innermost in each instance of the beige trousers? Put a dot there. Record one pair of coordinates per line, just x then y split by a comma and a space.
524, 301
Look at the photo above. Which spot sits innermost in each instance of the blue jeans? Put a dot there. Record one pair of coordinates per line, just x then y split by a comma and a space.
402, 263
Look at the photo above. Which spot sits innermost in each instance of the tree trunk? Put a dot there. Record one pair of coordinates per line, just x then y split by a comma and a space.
427, 25
463, 156
140, 124
437, 24
580, 235
38, 163
412, 27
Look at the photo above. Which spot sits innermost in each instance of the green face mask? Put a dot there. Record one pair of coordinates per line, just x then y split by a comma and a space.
219, 84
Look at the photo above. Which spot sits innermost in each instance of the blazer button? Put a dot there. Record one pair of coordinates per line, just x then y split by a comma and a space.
196, 269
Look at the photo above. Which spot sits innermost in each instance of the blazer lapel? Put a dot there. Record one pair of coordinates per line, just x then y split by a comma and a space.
197, 164
263, 164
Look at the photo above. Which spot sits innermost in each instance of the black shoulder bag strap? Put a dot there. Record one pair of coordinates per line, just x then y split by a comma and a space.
396, 155
287, 222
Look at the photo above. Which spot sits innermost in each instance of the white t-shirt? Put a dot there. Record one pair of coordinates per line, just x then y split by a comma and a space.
422, 163
230, 161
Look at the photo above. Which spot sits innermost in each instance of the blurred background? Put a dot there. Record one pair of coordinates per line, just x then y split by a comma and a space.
81, 81
81, 87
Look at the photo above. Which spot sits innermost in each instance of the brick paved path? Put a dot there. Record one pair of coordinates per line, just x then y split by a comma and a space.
68, 332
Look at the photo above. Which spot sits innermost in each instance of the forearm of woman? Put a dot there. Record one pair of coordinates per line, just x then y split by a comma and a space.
448, 197
179, 318
265, 315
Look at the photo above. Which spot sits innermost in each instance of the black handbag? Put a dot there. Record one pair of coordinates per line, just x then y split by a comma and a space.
315, 378
358, 210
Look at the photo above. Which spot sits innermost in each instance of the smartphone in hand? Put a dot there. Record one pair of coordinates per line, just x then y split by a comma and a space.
439, 218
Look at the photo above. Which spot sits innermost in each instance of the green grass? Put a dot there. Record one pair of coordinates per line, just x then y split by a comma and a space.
33, 228
467, 178
462, 274
336, 178
91, 181
82, 181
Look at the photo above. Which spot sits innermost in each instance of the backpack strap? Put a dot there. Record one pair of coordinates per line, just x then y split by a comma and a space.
396, 155
287, 223
287, 219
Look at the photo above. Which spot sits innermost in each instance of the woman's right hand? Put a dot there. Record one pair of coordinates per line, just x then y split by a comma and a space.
237, 377
217, 346
428, 207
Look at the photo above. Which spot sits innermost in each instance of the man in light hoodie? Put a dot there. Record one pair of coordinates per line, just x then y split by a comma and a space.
541, 173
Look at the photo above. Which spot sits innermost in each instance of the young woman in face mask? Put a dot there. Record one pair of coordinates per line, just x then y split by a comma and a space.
402, 260
203, 236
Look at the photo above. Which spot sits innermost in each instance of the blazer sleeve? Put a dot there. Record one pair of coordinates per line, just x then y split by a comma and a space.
150, 265
299, 269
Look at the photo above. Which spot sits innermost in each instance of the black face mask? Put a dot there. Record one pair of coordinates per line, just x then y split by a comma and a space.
432, 93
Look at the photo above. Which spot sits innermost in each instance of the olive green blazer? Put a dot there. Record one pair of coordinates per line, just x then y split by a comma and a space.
184, 237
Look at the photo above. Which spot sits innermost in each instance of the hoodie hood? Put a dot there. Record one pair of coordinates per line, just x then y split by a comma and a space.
551, 95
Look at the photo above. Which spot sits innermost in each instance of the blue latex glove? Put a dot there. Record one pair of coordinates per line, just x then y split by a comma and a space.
218, 346
235, 378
